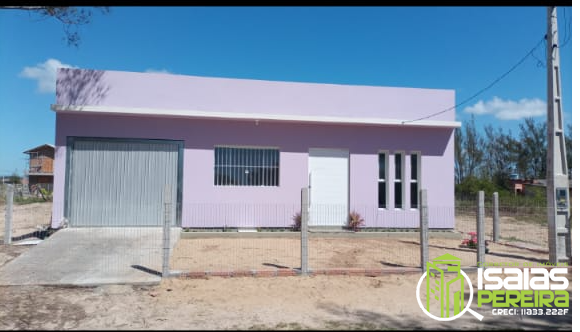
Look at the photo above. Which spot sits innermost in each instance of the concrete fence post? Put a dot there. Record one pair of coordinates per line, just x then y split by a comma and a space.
8, 220
304, 231
424, 228
480, 228
167, 212
495, 217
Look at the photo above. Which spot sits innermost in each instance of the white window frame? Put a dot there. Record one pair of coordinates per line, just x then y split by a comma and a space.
385, 181
417, 180
401, 180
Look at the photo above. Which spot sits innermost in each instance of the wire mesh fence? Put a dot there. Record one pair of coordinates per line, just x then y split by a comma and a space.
221, 238
521, 235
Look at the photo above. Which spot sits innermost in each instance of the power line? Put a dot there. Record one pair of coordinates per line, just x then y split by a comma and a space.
484, 89
567, 27
540, 63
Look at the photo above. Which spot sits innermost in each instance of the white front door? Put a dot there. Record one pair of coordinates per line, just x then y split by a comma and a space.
328, 172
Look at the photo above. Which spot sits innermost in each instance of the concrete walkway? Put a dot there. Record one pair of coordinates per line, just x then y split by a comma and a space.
90, 257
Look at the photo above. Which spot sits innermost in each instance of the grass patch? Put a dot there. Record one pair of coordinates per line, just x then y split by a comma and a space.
27, 200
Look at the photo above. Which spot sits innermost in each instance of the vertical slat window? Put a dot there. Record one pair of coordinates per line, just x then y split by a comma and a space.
383, 179
235, 166
215, 168
398, 181
414, 181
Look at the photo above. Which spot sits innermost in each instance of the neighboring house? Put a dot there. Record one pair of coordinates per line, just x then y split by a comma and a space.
534, 187
236, 152
40, 166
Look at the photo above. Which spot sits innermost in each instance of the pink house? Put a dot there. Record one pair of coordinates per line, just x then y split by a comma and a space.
236, 152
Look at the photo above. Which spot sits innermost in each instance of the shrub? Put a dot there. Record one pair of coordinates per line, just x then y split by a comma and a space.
470, 242
46, 195
297, 225
355, 221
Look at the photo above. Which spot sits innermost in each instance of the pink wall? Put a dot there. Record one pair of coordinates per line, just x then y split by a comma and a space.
165, 92
207, 205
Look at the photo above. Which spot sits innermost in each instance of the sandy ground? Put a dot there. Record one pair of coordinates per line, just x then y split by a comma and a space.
267, 253
320, 302
310, 302
27, 218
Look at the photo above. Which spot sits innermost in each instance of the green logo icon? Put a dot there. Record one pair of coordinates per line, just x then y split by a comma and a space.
445, 292
440, 290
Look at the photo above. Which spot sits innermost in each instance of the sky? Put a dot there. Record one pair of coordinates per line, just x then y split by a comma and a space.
460, 48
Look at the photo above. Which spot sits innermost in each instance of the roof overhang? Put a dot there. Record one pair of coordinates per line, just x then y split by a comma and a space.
250, 116
39, 147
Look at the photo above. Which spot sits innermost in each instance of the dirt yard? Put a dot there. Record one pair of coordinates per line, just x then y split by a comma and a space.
320, 302
314, 302
27, 218
329, 253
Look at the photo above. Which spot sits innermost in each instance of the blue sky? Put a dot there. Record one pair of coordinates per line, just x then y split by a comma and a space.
459, 48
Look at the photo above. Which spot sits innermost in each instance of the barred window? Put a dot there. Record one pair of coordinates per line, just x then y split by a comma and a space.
241, 166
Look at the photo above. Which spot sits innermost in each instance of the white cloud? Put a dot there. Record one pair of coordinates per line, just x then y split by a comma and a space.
44, 74
157, 71
509, 109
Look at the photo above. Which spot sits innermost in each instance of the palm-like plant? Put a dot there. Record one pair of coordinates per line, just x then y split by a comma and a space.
355, 221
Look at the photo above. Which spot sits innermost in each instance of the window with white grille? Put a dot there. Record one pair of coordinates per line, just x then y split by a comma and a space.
246, 166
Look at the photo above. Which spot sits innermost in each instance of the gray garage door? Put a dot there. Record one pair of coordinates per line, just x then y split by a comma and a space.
121, 182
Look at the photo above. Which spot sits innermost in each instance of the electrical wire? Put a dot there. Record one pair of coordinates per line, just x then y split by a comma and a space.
567, 27
530, 52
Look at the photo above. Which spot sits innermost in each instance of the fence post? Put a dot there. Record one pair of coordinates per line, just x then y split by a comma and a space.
166, 230
304, 231
480, 229
495, 217
424, 228
8, 221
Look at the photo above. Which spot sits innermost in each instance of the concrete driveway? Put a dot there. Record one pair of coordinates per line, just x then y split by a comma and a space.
91, 256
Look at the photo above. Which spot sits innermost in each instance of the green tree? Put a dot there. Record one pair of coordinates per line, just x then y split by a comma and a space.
533, 149
70, 17
15, 178
501, 155
473, 149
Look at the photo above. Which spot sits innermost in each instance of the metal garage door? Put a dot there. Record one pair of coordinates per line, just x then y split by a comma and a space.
121, 182
328, 169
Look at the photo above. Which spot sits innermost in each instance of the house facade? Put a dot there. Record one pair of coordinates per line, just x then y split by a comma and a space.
236, 152
41, 166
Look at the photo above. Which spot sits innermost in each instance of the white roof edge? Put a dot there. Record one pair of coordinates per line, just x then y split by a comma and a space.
251, 116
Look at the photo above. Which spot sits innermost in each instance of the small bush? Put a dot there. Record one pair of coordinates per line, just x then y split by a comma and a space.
46, 194
355, 221
297, 225
470, 242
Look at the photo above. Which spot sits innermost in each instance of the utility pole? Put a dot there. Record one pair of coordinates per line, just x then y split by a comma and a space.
557, 172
